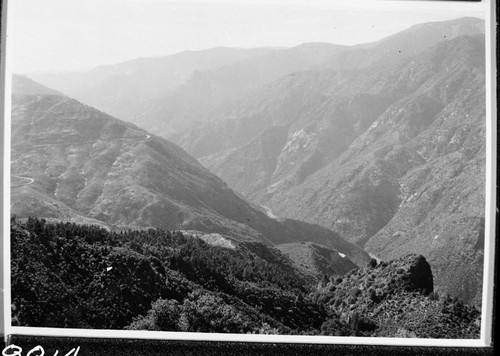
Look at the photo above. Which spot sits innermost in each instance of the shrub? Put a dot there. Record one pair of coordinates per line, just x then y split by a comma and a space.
403, 333
334, 327
355, 292
166, 314
365, 324
163, 315
267, 330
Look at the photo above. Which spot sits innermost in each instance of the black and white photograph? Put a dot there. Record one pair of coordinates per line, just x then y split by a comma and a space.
297, 171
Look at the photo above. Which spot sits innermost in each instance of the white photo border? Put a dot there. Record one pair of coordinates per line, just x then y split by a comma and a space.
485, 339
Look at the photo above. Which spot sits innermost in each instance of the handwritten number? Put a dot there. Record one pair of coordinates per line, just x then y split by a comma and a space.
14, 350
35, 349
73, 349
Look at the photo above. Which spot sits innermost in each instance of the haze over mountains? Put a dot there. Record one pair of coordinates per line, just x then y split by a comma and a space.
169, 94
381, 143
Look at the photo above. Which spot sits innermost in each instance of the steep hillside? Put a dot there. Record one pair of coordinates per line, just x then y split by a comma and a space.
277, 137
414, 181
301, 123
394, 153
70, 161
291, 129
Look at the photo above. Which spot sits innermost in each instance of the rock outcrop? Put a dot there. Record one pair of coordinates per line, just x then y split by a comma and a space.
395, 298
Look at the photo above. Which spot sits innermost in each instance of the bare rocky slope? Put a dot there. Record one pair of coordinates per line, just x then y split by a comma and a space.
72, 162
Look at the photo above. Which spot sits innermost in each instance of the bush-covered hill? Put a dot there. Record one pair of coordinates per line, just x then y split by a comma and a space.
69, 275
396, 298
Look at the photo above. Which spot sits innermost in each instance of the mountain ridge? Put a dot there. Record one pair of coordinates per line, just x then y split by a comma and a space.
181, 84
345, 150
86, 165
386, 166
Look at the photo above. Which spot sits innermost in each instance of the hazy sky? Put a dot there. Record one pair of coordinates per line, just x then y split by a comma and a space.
73, 34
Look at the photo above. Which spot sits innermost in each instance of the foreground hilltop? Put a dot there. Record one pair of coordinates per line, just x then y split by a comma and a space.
173, 281
396, 298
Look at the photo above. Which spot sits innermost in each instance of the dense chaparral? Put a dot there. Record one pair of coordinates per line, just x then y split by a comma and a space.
85, 276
